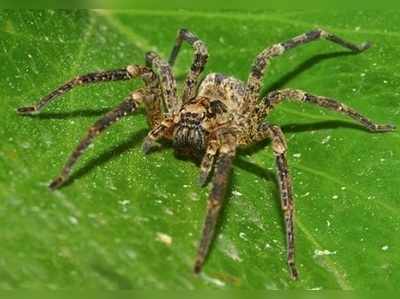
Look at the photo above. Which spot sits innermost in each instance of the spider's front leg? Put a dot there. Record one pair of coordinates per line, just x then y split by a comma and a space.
279, 148
162, 131
208, 160
155, 62
127, 107
226, 153
200, 57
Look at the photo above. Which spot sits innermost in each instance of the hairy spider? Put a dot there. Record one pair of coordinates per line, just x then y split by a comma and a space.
209, 120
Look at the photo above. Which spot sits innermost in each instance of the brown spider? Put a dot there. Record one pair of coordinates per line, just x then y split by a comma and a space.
209, 120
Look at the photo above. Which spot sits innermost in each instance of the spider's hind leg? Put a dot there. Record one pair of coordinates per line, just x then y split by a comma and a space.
275, 97
263, 59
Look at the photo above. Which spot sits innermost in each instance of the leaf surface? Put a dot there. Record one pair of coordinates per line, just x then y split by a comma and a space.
133, 221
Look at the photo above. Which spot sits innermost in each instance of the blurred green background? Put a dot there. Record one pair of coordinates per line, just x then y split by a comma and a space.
130, 221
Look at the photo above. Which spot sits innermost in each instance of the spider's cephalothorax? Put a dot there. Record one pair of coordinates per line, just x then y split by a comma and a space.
195, 122
209, 121
192, 128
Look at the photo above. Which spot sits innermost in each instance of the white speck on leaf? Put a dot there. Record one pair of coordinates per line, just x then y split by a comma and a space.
335, 197
297, 155
384, 248
233, 253
73, 220
169, 212
131, 254
318, 252
212, 280
124, 202
242, 235
326, 139
236, 193
315, 289
194, 196
164, 238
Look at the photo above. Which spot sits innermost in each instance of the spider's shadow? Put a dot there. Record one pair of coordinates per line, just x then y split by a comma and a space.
71, 114
304, 66
76, 113
133, 140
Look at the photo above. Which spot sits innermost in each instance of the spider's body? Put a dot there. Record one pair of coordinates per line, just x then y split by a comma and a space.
216, 105
209, 121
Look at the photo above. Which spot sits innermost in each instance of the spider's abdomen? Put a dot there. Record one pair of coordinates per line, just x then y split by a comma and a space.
229, 90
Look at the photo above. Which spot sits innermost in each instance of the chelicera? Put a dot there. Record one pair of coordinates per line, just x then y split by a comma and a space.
210, 120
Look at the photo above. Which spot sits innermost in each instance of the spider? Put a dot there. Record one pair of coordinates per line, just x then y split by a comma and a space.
210, 120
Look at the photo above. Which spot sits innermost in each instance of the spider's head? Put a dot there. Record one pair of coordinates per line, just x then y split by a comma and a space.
190, 133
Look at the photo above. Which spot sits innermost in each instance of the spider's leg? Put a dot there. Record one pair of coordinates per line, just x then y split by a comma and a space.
127, 73
278, 96
128, 106
285, 186
262, 60
220, 181
163, 130
200, 57
207, 162
172, 103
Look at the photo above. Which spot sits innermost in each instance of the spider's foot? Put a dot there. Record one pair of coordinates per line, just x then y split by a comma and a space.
365, 46
203, 178
294, 274
149, 146
383, 128
27, 110
198, 266
56, 183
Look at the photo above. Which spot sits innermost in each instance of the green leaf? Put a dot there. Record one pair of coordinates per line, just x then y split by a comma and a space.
131, 221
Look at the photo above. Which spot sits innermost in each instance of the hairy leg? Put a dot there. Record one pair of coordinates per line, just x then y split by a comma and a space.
279, 148
154, 61
263, 59
162, 131
130, 72
278, 96
127, 107
207, 162
223, 165
200, 57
